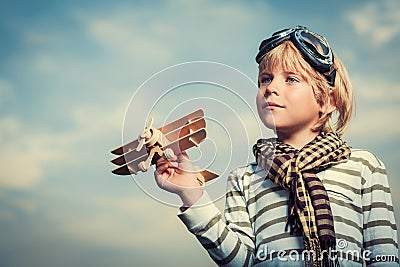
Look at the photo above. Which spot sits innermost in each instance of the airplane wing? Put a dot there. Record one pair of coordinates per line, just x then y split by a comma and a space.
170, 127
179, 145
131, 167
194, 125
187, 141
181, 121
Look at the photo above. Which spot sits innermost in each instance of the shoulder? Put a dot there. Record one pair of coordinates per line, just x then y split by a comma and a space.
246, 170
368, 163
242, 174
362, 160
363, 164
242, 177
366, 158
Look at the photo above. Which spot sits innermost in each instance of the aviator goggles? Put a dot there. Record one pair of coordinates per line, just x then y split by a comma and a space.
313, 47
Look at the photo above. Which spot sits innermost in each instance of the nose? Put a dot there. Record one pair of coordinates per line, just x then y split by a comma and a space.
268, 89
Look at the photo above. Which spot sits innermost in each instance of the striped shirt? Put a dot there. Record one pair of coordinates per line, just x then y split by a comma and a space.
254, 231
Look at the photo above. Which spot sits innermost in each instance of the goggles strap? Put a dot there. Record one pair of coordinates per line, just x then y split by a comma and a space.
331, 75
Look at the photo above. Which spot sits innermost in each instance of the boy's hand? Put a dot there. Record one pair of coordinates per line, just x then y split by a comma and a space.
177, 176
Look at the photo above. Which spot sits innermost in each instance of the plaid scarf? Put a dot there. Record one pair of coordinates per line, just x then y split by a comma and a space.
309, 209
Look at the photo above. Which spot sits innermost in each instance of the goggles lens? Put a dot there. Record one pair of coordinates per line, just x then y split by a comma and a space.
313, 47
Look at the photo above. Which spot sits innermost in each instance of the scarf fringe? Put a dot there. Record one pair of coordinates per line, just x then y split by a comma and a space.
317, 257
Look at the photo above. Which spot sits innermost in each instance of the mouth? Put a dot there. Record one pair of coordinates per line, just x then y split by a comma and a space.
272, 105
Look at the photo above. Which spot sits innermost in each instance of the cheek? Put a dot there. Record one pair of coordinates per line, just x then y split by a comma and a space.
264, 114
260, 100
305, 100
313, 104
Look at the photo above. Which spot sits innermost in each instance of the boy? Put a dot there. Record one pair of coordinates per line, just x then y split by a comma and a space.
309, 200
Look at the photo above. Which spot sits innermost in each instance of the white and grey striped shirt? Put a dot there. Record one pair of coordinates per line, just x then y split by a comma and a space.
254, 232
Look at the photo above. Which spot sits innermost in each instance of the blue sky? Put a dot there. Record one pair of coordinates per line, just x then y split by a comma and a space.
68, 71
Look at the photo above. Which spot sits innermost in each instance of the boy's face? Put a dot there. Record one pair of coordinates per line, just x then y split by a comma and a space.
286, 101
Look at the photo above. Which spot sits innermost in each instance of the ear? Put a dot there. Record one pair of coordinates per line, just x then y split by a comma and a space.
329, 107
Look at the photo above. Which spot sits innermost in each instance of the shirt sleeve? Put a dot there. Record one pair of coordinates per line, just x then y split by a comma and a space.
229, 242
379, 226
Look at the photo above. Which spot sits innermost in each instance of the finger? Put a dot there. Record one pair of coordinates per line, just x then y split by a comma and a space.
167, 167
163, 180
163, 167
174, 158
162, 161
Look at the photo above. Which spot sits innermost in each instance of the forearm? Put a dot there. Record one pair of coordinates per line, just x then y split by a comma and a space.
190, 196
225, 245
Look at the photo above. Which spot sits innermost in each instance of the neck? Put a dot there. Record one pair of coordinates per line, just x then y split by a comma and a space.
298, 139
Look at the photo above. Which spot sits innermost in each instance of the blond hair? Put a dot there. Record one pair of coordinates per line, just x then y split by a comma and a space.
287, 56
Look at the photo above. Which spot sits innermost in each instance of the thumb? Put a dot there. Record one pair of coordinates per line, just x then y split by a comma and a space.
161, 179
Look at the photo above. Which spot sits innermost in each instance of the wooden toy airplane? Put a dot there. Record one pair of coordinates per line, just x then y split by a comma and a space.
166, 141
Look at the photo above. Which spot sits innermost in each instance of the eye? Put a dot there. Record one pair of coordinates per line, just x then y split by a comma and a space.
292, 80
265, 80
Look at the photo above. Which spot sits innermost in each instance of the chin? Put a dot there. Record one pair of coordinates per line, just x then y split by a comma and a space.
269, 122
266, 118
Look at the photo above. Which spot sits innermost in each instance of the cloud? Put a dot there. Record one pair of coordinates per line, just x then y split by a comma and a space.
375, 123
118, 222
173, 31
378, 21
121, 36
376, 109
93, 120
26, 155
373, 88
6, 216
6, 90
